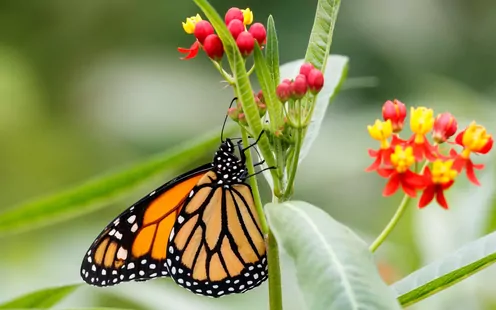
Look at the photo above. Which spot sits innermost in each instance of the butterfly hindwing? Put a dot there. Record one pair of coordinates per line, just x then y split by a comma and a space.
133, 245
216, 247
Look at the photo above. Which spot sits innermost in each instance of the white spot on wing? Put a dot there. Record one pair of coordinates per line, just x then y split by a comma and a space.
134, 228
131, 219
122, 253
118, 235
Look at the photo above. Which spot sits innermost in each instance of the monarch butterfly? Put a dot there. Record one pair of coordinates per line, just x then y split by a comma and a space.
201, 229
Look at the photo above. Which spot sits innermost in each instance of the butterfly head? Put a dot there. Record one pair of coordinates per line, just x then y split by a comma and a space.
228, 167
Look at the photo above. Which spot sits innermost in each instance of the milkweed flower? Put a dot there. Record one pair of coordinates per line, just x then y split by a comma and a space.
437, 181
474, 139
396, 112
445, 126
400, 173
421, 123
396, 156
381, 131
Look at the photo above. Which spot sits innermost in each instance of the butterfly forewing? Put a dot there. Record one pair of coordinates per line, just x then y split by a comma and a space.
133, 246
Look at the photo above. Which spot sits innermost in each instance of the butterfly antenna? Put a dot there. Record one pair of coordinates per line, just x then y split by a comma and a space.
225, 120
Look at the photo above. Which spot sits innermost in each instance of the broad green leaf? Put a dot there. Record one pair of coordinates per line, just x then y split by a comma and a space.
334, 267
99, 192
320, 41
242, 82
272, 51
44, 298
448, 271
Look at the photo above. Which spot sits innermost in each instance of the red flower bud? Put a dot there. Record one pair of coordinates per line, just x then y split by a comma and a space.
283, 91
260, 96
315, 80
202, 30
233, 13
213, 47
242, 119
233, 113
306, 68
445, 126
236, 27
245, 43
395, 111
258, 31
299, 86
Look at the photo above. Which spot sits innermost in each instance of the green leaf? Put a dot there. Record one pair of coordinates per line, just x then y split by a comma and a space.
320, 41
264, 76
448, 271
101, 191
334, 267
272, 51
44, 298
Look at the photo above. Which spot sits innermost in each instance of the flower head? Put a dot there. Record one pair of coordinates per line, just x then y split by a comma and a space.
445, 126
233, 13
213, 47
474, 139
258, 31
396, 112
236, 27
247, 16
421, 122
315, 80
190, 24
299, 86
380, 131
202, 30
437, 181
400, 173
245, 43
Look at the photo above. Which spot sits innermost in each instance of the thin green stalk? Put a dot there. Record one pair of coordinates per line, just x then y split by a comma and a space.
275, 286
392, 223
394, 220
294, 164
254, 185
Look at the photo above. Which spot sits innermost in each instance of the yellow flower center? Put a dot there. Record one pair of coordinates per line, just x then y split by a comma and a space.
381, 131
247, 16
402, 159
190, 24
421, 120
442, 172
475, 137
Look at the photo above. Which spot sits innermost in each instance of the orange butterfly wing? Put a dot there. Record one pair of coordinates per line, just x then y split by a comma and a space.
133, 246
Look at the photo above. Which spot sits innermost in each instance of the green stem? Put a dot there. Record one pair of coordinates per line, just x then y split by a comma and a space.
394, 220
229, 79
392, 223
275, 287
294, 164
254, 185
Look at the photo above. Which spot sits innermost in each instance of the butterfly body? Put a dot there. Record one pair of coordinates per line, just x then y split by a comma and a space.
201, 229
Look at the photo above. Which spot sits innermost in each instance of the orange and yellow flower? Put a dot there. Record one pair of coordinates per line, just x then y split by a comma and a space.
437, 181
474, 139
400, 174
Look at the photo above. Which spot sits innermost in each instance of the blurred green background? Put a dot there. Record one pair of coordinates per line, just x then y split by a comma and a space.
88, 87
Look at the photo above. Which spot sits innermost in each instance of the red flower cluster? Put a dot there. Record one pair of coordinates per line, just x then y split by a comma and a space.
395, 157
236, 21
309, 78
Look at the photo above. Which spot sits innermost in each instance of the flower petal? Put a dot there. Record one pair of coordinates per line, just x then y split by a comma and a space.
392, 185
426, 197
469, 167
373, 153
374, 165
385, 172
441, 200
